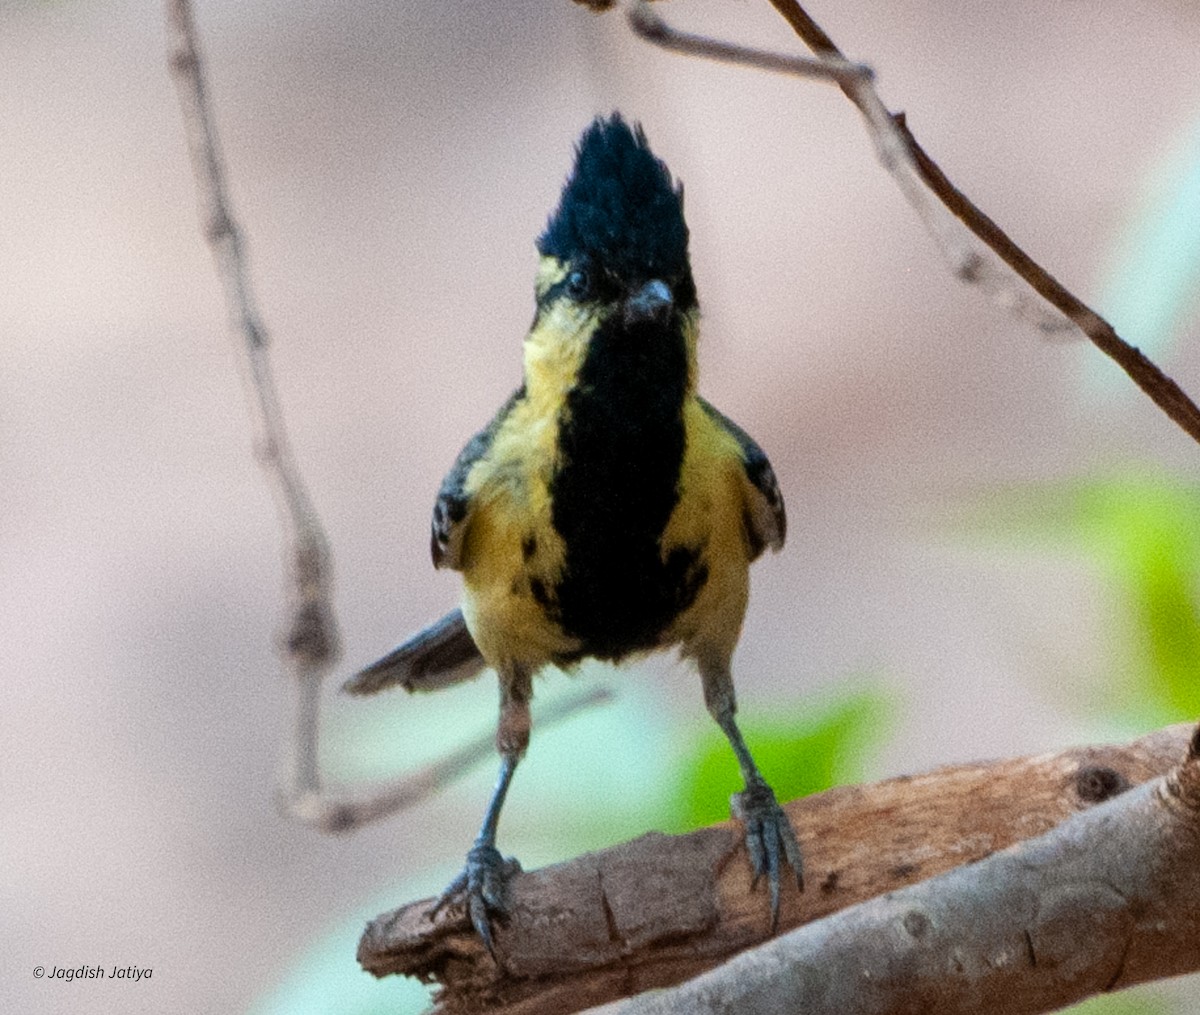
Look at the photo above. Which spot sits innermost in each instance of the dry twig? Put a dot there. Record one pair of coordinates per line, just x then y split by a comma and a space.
978, 250
311, 643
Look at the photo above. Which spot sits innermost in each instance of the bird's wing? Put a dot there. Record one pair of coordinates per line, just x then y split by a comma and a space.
766, 518
452, 508
443, 653
438, 656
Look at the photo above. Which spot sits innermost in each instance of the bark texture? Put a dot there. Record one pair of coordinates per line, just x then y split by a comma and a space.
661, 910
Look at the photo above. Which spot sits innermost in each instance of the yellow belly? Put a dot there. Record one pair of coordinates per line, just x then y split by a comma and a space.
504, 613
513, 556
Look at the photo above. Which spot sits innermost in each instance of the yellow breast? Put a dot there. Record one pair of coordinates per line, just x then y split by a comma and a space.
511, 551
710, 514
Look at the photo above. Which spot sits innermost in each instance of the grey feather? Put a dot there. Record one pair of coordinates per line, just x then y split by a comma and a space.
452, 507
437, 656
766, 517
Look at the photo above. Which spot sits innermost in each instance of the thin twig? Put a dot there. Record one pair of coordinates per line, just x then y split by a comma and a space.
347, 811
310, 647
1165, 393
311, 642
651, 27
995, 263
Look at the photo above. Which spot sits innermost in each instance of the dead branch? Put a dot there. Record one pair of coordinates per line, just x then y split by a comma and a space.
662, 909
978, 250
1164, 392
310, 646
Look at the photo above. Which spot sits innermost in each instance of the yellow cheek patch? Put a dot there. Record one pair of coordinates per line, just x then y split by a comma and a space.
550, 272
554, 353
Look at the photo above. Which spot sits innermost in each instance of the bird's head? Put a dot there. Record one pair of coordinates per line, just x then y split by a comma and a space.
616, 248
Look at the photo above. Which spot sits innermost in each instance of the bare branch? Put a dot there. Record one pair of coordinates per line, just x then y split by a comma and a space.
346, 811
977, 249
310, 646
646, 23
311, 642
662, 909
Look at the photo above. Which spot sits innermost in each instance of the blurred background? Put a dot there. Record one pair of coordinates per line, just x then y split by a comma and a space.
994, 539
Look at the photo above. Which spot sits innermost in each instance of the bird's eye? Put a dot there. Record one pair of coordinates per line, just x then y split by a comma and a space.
579, 284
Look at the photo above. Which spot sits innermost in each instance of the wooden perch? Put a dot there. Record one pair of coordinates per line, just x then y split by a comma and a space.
661, 910
1105, 900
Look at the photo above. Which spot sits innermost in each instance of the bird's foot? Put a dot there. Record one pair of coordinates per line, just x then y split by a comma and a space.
770, 840
483, 886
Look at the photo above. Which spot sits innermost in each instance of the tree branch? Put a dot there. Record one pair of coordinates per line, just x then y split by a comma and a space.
310, 646
662, 909
1106, 900
312, 641
978, 250
1164, 392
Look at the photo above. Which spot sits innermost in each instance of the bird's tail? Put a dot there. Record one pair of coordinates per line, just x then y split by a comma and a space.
437, 656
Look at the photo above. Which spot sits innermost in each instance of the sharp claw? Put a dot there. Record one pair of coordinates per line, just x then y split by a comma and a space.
754, 843
478, 909
456, 887
771, 834
483, 886
791, 849
770, 841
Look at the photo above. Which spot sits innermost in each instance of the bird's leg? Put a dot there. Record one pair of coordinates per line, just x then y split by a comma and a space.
483, 881
770, 839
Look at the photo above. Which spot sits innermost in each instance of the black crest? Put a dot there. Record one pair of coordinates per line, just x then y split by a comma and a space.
620, 206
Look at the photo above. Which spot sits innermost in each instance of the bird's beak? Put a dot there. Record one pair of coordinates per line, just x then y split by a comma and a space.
651, 303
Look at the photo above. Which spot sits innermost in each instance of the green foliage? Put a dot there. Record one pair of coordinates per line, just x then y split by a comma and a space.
829, 746
1145, 531
1141, 530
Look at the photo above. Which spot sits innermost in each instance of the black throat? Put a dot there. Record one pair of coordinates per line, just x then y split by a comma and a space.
621, 442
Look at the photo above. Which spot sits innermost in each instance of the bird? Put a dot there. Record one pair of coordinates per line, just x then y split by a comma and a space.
607, 510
